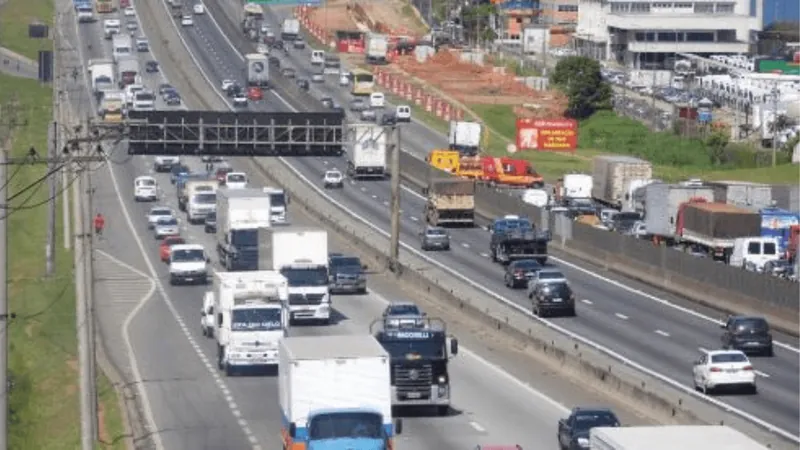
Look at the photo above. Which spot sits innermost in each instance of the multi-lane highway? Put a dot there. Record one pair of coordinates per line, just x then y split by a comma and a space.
152, 334
618, 314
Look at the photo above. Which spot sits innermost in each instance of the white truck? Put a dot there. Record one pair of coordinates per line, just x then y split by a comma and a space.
670, 437
257, 70
335, 393
240, 214
251, 318
465, 137
277, 203
575, 186
188, 264
290, 29
377, 48
301, 255
112, 106
367, 151
102, 76
201, 199
612, 176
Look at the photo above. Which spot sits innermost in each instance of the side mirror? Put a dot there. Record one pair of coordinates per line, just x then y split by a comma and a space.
454, 346
292, 430
288, 199
398, 426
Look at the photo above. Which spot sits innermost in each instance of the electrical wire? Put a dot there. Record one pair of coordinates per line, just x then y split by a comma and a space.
32, 185
11, 178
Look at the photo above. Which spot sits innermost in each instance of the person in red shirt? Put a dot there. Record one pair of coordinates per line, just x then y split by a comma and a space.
99, 224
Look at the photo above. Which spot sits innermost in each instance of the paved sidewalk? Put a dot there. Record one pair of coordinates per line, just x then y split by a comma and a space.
15, 64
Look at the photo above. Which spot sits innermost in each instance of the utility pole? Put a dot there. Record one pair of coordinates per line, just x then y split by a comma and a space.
52, 182
775, 95
394, 244
3, 297
89, 280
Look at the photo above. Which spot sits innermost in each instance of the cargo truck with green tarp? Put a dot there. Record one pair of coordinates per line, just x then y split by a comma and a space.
714, 227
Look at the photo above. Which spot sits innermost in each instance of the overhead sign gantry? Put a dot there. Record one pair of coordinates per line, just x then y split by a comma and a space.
235, 133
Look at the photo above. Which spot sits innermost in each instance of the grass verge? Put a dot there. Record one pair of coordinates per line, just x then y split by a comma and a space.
15, 16
42, 359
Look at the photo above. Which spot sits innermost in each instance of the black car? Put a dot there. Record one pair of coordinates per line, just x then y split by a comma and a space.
519, 272
151, 66
326, 102
173, 99
233, 90
274, 61
573, 432
210, 225
303, 84
346, 274
553, 298
750, 334
278, 45
388, 119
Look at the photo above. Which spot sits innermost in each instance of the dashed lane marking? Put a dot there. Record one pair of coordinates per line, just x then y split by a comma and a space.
485, 255
621, 316
587, 301
662, 333
465, 245
477, 427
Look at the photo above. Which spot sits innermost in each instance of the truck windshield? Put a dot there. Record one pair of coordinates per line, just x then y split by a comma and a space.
316, 276
256, 319
244, 238
206, 199
193, 255
425, 349
277, 200
346, 425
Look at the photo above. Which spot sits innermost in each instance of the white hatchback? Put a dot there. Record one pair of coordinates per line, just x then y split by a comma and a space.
236, 180
145, 189
377, 100
199, 9
724, 368
187, 21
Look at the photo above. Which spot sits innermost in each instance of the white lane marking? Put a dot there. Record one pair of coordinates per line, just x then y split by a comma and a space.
477, 427
587, 301
662, 333
363, 189
414, 219
484, 255
504, 300
374, 196
702, 350
465, 245
761, 374
385, 203
621, 316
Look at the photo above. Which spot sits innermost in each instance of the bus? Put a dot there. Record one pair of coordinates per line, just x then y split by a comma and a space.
363, 82
104, 6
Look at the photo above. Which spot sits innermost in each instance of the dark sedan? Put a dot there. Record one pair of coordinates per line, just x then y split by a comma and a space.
519, 272
210, 224
748, 334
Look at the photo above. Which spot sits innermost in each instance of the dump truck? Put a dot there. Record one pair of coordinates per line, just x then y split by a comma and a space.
684, 437
613, 174
454, 162
714, 227
450, 202
514, 238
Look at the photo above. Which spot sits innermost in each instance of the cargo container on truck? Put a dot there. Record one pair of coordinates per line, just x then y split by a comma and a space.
465, 137
257, 70
367, 151
376, 49
201, 199
671, 437
742, 193
290, 29
251, 317
450, 201
714, 227
301, 255
659, 204
613, 174
335, 394
240, 214
777, 223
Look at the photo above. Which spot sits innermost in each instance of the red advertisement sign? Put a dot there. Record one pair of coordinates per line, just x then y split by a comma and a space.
558, 135
350, 46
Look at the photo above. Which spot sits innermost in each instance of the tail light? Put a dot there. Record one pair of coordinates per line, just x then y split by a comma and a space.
747, 368
715, 369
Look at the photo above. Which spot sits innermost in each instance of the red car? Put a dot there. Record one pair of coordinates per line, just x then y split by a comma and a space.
221, 174
166, 245
124, 3
255, 93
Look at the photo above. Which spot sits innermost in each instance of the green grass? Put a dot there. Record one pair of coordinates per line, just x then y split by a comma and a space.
42, 359
15, 16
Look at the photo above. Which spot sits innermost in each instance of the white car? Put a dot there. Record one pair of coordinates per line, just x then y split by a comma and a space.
262, 49
199, 8
207, 321
156, 213
236, 180
188, 263
403, 113
318, 77
227, 84
129, 12
344, 79
166, 226
240, 99
145, 189
187, 21
165, 163
377, 100
333, 179
724, 368
132, 27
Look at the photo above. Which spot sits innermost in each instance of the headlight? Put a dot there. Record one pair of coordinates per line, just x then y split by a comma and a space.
583, 442
442, 379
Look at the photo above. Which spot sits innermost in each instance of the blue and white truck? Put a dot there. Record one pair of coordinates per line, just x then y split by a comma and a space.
335, 394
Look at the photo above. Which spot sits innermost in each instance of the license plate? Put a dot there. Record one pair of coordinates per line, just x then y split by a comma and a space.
732, 370
414, 395
557, 300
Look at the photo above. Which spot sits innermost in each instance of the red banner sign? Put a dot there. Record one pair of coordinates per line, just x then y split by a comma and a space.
559, 135
350, 46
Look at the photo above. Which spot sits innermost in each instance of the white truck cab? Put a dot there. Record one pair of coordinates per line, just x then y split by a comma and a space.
188, 263
252, 317
403, 113
201, 199
277, 204
317, 57
236, 180
207, 315
145, 189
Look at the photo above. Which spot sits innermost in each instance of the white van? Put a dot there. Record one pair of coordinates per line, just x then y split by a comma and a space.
144, 100
207, 315
121, 47
403, 113
236, 180
110, 28
752, 253
145, 189
317, 57
377, 100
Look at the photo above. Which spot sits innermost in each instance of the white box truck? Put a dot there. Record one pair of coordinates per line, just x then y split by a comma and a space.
671, 437
278, 201
465, 137
612, 176
102, 76
367, 151
377, 48
290, 29
335, 393
201, 199
250, 318
240, 214
257, 70
301, 255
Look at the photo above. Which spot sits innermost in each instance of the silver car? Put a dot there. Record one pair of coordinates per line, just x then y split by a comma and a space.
167, 226
368, 115
156, 213
546, 275
434, 238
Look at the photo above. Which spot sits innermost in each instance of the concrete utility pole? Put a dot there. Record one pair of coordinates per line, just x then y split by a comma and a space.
775, 95
394, 244
89, 280
3, 297
52, 182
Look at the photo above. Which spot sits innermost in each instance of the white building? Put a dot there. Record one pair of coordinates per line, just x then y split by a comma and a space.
645, 34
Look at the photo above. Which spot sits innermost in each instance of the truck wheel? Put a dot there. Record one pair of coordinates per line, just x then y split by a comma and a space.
220, 357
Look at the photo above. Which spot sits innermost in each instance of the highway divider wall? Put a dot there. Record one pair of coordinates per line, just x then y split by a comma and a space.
586, 365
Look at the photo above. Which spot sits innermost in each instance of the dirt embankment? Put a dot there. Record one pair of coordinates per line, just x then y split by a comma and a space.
393, 17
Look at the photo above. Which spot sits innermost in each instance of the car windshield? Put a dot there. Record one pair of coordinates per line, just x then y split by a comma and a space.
436, 232
236, 178
211, 217
526, 265
145, 97
169, 242
333, 175
146, 182
256, 319
340, 425
404, 310
728, 358
277, 200
558, 290
754, 325
188, 255
168, 221
587, 421
627, 217
551, 275
206, 199
316, 276
161, 212
179, 169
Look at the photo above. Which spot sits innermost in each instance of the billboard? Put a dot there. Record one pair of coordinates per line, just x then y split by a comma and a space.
558, 135
780, 66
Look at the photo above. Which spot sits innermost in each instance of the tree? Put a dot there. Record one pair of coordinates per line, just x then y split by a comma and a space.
716, 143
579, 77
476, 21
